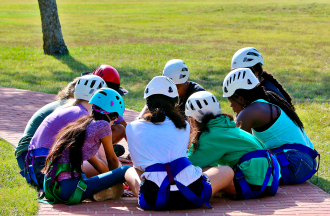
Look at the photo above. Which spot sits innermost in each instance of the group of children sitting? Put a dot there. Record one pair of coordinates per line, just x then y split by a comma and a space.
183, 148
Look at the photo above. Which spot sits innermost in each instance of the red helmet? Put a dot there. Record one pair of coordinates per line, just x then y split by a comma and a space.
111, 76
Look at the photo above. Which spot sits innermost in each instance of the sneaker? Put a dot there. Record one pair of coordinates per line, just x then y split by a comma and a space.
111, 193
119, 150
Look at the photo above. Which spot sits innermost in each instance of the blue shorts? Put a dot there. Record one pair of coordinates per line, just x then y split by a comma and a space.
301, 164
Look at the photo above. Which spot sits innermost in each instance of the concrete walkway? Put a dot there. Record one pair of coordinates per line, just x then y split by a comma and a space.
17, 106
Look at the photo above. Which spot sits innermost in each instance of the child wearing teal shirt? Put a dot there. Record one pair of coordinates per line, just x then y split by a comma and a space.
217, 140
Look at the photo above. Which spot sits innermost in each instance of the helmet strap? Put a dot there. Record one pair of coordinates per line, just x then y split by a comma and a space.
243, 105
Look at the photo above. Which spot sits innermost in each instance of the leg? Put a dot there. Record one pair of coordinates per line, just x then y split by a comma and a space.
133, 180
220, 177
105, 181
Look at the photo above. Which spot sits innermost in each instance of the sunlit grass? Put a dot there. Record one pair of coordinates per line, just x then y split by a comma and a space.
139, 37
16, 196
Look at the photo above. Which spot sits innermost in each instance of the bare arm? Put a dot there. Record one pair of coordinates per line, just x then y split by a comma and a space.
245, 122
123, 123
112, 159
98, 165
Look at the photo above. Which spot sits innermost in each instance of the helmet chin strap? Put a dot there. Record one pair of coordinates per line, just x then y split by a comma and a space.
259, 76
244, 106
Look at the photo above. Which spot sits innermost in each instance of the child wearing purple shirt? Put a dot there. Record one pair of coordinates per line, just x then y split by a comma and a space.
44, 137
79, 141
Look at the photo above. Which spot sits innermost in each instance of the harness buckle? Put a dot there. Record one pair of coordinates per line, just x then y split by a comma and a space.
81, 186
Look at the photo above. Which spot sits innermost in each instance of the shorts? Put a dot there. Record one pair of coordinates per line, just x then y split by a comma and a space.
176, 199
301, 164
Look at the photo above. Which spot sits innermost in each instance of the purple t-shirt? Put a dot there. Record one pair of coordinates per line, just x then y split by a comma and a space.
52, 124
95, 131
119, 119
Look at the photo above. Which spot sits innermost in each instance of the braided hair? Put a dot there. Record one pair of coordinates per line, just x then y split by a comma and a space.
259, 92
274, 81
161, 106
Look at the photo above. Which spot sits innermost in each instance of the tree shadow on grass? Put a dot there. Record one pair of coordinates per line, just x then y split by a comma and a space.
72, 63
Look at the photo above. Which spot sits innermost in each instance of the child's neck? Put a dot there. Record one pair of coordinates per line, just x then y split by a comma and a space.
87, 105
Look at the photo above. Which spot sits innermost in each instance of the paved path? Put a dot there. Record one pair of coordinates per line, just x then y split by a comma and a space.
17, 106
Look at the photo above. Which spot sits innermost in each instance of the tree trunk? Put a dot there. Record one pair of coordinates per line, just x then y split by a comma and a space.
51, 28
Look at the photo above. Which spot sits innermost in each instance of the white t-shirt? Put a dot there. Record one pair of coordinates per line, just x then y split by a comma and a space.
150, 143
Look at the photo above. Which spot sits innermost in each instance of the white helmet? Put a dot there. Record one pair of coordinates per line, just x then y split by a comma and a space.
177, 71
246, 57
161, 85
87, 86
240, 78
201, 103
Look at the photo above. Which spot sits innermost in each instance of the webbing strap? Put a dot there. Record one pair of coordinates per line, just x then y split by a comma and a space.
30, 175
175, 167
53, 191
285, 172
273, 168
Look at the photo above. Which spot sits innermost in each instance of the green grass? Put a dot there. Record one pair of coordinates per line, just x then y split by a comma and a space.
139, 37
16, 196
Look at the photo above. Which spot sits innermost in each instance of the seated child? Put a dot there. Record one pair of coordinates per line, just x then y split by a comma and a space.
216, 139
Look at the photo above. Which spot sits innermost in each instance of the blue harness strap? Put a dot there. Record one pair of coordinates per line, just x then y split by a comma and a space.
30, 175
173, 168
279, 152
272, 169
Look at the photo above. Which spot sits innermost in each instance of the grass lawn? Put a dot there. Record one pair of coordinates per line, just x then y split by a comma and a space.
16, 196
139, 37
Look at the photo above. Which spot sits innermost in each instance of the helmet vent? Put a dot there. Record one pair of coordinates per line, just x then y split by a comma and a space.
244, 74
199, 104
230, 80
100, 86
78, 82
234, 77
117, 97
182, 76
191, 106
86, 82
225, 90
239, 74
205, 102
213, 97
119, 102
247, 59
91, 91
201, 112
92, 83
249, 82
184, 69
147, 90
252, 53
227, 82
102, 92
170, 90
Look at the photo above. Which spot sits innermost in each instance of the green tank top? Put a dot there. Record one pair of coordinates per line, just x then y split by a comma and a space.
283, 131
